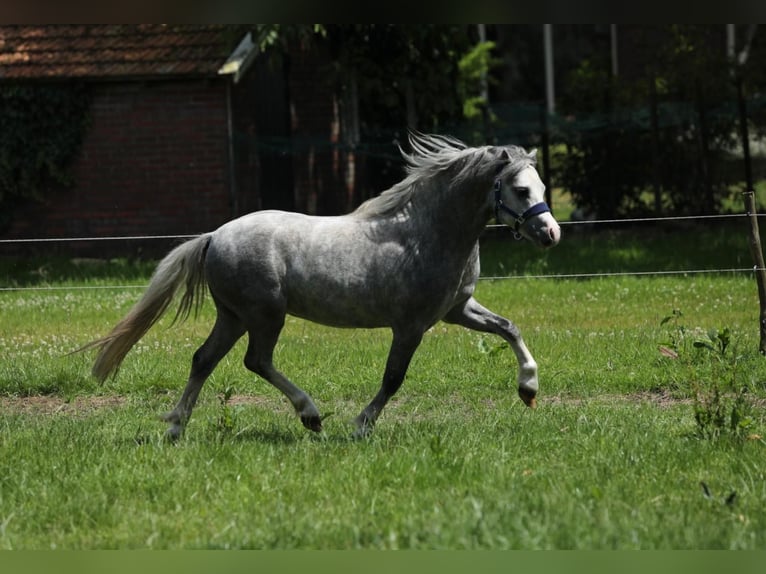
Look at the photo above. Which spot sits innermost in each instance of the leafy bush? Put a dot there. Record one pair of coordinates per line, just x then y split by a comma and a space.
43, 127
654, 141
721, 401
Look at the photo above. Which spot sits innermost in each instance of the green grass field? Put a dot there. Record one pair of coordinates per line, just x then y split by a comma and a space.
612, 458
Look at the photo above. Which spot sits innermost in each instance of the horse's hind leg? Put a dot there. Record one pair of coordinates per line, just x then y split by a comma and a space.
226, 331
259, 359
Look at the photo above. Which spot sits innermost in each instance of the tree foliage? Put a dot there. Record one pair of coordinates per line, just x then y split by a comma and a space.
659, 139
390, 77
421, 76
42, 129
406, 74
474, 70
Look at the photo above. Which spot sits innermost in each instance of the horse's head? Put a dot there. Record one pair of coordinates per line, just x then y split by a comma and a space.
519, 200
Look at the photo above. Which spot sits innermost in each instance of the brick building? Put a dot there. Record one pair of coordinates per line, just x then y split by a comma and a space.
189, 127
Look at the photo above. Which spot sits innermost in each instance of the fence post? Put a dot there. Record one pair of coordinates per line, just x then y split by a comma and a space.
760, 269
545, 126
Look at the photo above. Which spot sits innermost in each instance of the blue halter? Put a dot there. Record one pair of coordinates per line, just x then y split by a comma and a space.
518, 220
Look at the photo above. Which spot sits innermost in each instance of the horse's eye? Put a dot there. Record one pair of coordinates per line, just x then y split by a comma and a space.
521, 191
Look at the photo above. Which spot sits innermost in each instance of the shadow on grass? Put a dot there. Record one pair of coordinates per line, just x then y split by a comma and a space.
40, 271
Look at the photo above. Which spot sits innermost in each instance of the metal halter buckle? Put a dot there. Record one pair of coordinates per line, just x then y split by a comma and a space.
518, 220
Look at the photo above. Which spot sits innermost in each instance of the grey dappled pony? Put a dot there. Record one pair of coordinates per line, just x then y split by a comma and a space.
403, 260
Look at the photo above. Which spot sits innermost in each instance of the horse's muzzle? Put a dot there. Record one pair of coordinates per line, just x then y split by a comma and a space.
542, 230
553, 236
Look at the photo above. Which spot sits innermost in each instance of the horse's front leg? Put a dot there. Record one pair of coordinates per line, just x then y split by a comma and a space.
473, 315
399, 357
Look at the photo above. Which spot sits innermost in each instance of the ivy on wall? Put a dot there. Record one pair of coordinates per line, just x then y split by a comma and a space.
41, 130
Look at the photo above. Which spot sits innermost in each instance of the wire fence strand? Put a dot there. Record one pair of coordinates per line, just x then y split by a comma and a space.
482, 278
95, 239
491, 226
644, 220
621, 274
75, 288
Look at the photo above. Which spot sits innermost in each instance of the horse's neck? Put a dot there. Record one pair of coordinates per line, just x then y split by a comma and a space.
448, 219
460, 212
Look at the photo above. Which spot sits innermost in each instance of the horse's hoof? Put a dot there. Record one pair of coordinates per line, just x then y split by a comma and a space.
363, 429
174, 433
313, 423
528, 397
361, 433
170, 417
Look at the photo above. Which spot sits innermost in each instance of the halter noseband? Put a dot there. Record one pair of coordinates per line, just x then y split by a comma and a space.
518, 220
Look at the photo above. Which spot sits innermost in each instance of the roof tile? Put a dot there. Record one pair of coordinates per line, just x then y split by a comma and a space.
114, 50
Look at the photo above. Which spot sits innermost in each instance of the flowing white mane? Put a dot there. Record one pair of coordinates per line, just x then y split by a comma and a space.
432, 154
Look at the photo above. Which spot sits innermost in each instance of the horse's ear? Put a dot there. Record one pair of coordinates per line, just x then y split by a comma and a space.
532, 154
503, 159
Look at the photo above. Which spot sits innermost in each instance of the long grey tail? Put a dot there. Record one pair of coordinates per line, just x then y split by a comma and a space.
184, 265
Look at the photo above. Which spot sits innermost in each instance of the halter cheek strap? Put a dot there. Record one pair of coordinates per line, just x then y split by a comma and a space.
518, 220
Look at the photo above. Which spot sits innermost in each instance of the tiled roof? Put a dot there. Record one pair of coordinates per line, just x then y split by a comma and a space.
104, 51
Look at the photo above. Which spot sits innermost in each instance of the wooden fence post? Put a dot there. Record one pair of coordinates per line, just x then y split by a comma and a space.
760, 269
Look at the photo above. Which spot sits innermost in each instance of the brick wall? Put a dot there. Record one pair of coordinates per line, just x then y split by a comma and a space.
154, 162
155, 159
